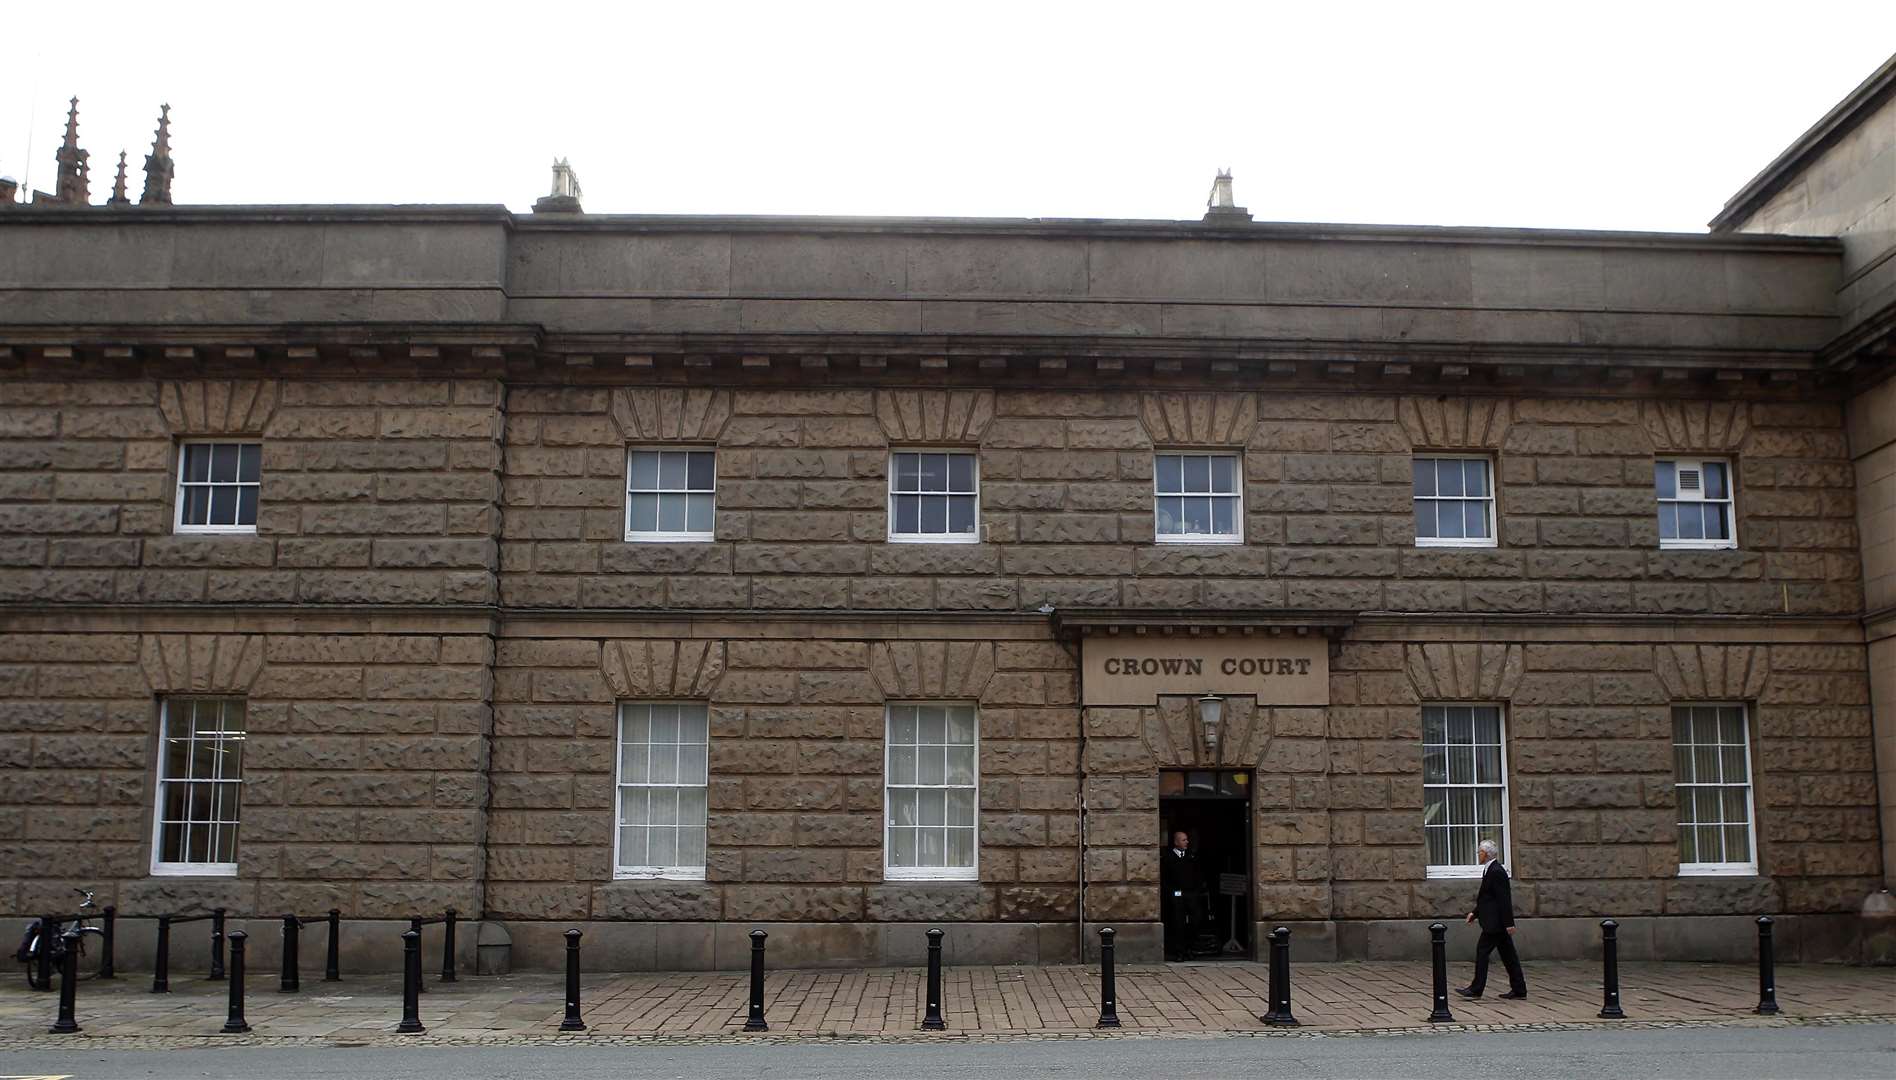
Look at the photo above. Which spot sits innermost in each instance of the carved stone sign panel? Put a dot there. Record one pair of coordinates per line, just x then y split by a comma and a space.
1135, 670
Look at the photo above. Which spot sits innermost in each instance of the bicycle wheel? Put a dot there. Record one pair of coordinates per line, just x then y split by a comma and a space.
32, 963
87, 971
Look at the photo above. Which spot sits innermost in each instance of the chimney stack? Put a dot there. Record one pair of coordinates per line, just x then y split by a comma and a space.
565, 195
1222, 208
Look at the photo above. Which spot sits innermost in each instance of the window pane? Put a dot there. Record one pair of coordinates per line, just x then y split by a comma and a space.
908, 472
932, 847
634, 723
1487, 765
246, 506
671, 513
1715, 521
1682, 763
1434, 765
1197, 513
1715, 481
1666, 479
960, 848
1170, 511
224, 463
1734, 804
698, 513
902, 725
1461, 765
634, 806
663, 849
1424, 469
694, 723
1475, 477
701, 471
197, 462
961, 806
960, 724
1461, 806
1223, 517
934, 514
665, 806
1438, 847
901, 764
961, 514
249, 462
1434, 724
1737, 843
1688, 846
644, 513
934, 472
197, 506
1488, 806
933, 723
633, 764
1170, 473
961, 472
223, 506
960, 765
930, 766
691, 763
644, 470
1487, 722
1448, 479
1668, 521
1435, 806
664, 723
1224, 475
1475, 519
1462, 847
1691, 523
1197, 474
931, 806
690, 847
901, 847
1448, 521
908, 514
671, 470
225, 841
1461, 724
902, 806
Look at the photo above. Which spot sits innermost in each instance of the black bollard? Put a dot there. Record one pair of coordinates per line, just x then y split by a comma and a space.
411, 984
332, 966
291, 980
1280, 1013
234, 1023
109, 938
68, 985
43, 952
1767, 968
572, 1021
1610, 961
447, 947
161, 964
217, 944
755, 1021
1438, 954
1108, 984
415, 925
931, 1017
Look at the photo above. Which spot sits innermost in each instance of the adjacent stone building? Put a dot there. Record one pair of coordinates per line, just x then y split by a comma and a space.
669, 577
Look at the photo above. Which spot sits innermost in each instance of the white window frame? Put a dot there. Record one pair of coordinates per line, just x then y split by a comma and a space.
178, 524
1748, 868
974, 537
1730, 502
1236, 496
971, 872
160, 867
1453, 871
1457, 541
653, 872
686, 536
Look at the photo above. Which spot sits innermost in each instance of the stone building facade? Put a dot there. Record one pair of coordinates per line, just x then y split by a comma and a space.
455, 652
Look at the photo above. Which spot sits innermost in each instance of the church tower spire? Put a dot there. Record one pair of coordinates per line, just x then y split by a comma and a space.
118, 186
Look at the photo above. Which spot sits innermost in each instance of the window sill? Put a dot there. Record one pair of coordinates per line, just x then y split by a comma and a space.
668, 873
930, 538
216, 530
938, 875
670, 538
1455, 873
1441, 542
1230, 541
1698, 545
1719, 870
194, 870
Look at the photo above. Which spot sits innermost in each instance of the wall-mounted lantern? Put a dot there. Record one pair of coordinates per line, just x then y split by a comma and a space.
1210, 712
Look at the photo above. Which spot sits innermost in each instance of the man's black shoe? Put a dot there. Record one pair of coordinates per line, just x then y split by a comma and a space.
1467, 993
1515, 995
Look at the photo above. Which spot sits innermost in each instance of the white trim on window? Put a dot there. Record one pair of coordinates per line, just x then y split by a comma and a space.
1477, 783
1435, 499
217, 793
1720, 716
971, 872
1687, 479
691, 494
1188, 491
947, 494
689, 768
249, 451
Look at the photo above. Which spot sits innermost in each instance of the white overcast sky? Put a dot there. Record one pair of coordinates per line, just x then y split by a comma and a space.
1591, 115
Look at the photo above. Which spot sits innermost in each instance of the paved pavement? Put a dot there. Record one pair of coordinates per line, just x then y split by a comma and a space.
1810, 1049
885, 1004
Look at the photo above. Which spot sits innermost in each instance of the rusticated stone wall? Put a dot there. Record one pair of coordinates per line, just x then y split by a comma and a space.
373, 491
364, 769
1066, 502
796, 775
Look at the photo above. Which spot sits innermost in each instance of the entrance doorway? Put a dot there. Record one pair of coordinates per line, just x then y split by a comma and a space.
1213, 808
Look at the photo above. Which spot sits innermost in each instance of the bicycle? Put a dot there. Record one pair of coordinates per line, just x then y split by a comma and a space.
40, 935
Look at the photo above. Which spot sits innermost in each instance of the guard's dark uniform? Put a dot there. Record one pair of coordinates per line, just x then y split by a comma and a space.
1494, 911
1183, 885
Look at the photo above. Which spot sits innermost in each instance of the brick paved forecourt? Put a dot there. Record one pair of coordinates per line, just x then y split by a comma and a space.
979, 1001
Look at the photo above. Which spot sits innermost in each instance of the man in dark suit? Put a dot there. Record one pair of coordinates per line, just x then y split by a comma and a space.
1494, 909
1182, 887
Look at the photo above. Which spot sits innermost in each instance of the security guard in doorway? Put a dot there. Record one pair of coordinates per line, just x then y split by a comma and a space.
1183, 886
